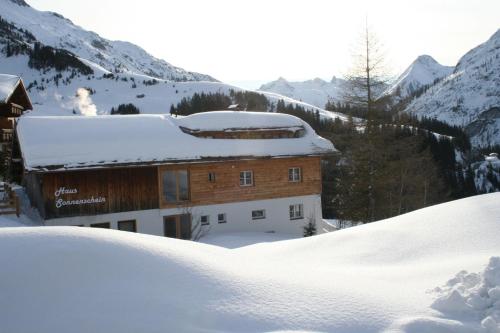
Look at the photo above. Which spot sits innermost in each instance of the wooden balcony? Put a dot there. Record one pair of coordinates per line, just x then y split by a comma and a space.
6, 135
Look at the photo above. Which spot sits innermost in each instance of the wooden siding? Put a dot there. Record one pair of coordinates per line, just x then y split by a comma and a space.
123, 189
270, 180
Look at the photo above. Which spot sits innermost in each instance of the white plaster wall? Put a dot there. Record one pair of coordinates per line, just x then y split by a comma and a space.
238, 216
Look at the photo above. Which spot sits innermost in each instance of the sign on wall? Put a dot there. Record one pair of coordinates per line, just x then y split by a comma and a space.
61, 202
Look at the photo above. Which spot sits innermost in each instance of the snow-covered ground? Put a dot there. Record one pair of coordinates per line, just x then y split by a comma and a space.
380, 277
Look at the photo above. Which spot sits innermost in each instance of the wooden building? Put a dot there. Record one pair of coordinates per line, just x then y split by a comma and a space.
177, 177
14, 101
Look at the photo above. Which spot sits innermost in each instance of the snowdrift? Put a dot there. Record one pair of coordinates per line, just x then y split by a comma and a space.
380, 277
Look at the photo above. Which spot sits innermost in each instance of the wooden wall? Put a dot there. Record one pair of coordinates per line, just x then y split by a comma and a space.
130, 189
123, 189
270, 180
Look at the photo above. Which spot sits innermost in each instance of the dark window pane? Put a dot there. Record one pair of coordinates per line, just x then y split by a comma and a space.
169, 186
101, 225
182, 176
127, 225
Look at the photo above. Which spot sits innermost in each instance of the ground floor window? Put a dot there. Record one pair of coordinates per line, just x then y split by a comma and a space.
129, 225
105, 225
177, 226
205, 220
258, 214
221, 218
296, 211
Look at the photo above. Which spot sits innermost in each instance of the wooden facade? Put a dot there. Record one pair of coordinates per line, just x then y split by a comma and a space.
103, 191
270, 180
99, 191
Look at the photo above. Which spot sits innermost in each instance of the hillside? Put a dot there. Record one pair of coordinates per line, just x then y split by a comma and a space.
57, 31
56, 59
388, 276
470, 96
422, 72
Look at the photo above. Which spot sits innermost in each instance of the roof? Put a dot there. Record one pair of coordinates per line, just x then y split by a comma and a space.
78, 142
8, 84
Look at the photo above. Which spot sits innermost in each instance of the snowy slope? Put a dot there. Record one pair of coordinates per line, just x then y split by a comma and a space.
470, 96
316, 92
116, 56
423, 71
122, 73
380, 277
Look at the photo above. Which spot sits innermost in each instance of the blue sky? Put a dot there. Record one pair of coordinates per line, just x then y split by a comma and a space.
250, 42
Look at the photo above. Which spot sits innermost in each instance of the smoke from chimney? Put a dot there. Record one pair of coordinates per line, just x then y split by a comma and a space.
83, 103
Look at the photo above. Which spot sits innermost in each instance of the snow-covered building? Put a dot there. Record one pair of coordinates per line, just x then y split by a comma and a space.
14, 100
178, 177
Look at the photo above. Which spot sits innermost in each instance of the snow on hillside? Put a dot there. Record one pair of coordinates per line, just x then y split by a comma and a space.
122, 72
316, 92
423, 71
381, 277
470, 96
116, 56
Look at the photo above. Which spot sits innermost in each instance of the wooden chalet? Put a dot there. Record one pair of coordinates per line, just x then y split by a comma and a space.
177, 177
14, 101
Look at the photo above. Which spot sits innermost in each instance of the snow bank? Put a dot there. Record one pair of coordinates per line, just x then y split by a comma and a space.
73, 142
474, 297
8, 84
372, 278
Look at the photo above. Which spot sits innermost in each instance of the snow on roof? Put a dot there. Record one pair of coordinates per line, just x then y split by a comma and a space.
8, 84
79, 142
222, 120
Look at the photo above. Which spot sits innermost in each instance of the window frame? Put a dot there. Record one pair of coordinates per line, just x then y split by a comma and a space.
211, 177
291, 172
176, 172
259, 217
101, 225
243, 180
127, 221
219, 221
207, 222
292, 211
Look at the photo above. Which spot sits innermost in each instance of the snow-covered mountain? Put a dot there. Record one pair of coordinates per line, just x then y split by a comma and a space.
112, 72
470, 96
316, 92
115, 56
422, 72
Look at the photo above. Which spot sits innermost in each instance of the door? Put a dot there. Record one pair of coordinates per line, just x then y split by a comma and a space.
177, 226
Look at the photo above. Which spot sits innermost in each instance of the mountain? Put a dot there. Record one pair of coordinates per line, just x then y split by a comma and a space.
69, 70
469, 96
422, 72
316, 92
56, 31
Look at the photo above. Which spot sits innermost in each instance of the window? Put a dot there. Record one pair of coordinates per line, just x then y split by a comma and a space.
175, 186
258, 214
128, 225
296, 211
205, 220
221, 218
246, 178
211, 177
294, 175
105, 225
